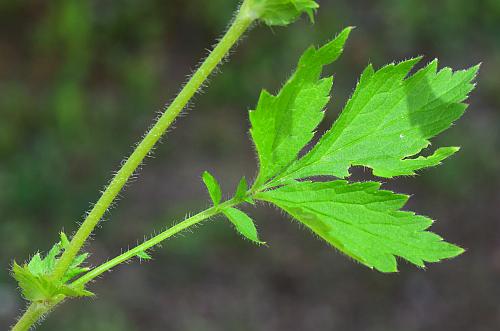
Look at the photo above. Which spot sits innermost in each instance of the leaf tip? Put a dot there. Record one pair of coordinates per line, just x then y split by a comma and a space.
457, 250
64, 241
347, 30
477, 66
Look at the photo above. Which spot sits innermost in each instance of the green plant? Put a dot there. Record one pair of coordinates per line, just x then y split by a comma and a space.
389, 119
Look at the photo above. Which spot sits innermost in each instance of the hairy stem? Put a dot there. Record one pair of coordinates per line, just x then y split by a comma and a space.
193, 220
34, 313
37, 310
241, 23
243, 20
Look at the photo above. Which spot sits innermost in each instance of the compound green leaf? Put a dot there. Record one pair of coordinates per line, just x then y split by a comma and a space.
389, 120
362, 221
282, 125
213, 187
243, 224
385, 126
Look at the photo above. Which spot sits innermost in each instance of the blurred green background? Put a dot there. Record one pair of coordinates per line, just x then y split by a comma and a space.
80, 81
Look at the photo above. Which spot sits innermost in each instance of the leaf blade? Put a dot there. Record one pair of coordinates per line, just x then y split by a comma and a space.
282, 125
241, 189
389, 120
213, 188
363, 222
243, 224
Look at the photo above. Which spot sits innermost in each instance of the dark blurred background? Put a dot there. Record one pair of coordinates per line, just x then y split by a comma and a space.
80, 81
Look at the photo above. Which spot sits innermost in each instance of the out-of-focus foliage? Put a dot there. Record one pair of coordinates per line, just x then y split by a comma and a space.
80, 82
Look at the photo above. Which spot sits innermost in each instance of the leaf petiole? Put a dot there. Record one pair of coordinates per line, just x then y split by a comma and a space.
193, 220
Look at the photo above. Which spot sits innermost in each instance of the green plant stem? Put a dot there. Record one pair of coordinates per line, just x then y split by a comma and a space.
193, 220
240, 24
33, 314
36, 310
